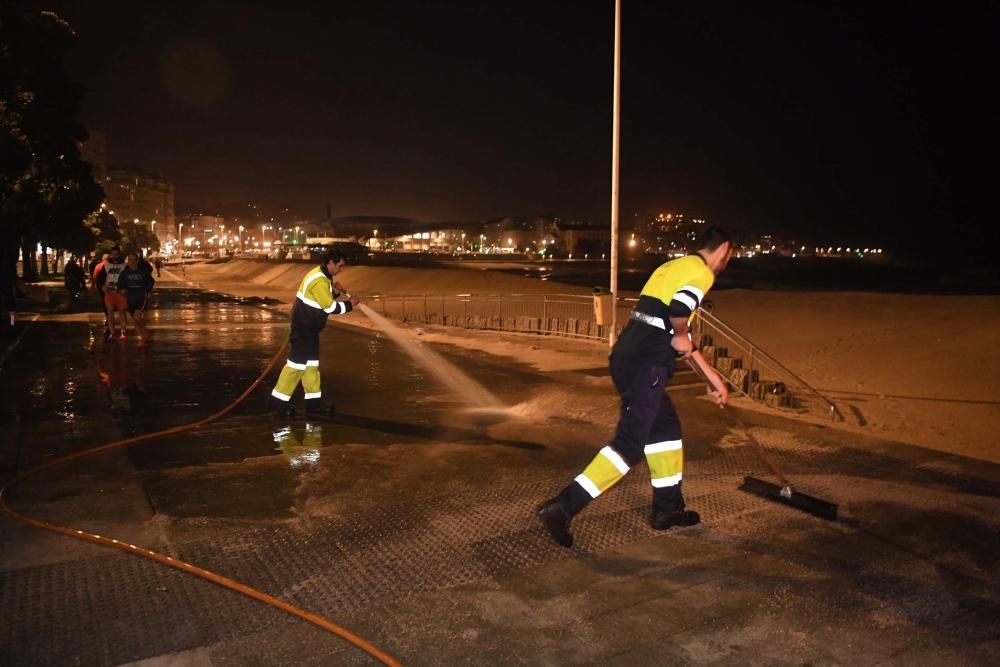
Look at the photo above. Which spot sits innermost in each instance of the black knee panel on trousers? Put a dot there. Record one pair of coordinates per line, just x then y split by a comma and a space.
304, 345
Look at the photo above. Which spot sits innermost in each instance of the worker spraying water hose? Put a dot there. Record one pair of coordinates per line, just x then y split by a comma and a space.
320, 295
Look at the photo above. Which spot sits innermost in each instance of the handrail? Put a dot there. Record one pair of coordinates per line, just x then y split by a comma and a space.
585, 297
758, 352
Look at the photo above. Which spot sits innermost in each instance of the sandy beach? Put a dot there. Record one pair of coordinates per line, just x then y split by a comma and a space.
917, 369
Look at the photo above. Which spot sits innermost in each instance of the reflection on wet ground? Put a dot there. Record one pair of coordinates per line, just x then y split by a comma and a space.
206, 349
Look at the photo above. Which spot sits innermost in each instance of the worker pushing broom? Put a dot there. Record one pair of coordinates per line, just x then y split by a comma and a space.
642, 362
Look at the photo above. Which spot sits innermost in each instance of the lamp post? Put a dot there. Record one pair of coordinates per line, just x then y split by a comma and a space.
181, 234
240, 236
615, 157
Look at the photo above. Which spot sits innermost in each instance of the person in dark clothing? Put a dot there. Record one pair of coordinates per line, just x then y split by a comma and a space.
642, 362
145, 265
137, 284
8, 295
92, 269
73, 278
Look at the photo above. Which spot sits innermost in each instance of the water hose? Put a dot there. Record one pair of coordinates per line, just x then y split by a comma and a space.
183, 566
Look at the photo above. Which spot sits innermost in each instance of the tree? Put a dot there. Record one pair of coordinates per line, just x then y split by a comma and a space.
101, 233
46, 189
137, 237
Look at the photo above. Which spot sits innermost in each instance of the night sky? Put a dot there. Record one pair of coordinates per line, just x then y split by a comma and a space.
867, 125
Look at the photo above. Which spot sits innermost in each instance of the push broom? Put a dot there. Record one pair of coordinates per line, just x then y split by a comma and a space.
783, 493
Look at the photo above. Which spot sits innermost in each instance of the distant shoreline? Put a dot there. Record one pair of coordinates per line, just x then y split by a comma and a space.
780, 273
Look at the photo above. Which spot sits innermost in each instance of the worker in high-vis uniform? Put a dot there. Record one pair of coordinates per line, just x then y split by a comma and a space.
642, 361
319, 296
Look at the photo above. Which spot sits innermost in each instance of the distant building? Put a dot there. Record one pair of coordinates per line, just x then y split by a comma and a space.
200, 231
436, 240
580, 238
146, 199
95, 151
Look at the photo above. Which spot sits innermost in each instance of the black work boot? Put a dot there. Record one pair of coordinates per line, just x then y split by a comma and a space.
284, 409
663, 520
556, 521
314, 406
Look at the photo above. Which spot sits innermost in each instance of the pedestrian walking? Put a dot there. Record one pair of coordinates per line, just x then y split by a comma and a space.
136, 283
318, 297
106, 281
642, 362
8, 295
144, 263
158, 263
73, 278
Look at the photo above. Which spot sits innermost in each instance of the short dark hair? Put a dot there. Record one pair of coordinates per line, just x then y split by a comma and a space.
713, 237
114, 248
334, 256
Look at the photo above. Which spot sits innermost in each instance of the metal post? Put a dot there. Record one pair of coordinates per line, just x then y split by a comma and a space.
441, 315
545, 313
499, 312
615, 155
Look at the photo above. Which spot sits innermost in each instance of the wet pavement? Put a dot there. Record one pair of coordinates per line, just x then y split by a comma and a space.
412, 526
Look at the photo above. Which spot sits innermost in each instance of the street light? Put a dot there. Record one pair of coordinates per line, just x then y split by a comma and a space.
181, 232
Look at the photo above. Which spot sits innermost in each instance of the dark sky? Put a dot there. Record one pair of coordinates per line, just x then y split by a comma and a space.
855, 124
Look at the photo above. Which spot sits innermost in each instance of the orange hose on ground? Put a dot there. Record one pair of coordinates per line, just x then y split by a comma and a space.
315, 619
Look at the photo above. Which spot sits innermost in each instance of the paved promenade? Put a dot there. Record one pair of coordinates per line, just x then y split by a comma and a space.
415, 530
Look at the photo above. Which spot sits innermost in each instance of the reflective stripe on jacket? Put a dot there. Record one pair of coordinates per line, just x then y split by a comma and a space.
315, 301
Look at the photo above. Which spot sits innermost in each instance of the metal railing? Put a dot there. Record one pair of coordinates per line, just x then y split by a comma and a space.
570, 315
754, 373
748, 368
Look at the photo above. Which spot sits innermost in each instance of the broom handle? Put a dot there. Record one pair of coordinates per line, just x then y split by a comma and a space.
759, 448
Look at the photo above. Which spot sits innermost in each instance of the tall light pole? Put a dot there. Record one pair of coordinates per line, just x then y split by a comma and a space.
181, 233
615, 155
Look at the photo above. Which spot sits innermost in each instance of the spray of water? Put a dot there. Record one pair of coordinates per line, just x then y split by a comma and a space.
483, 406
